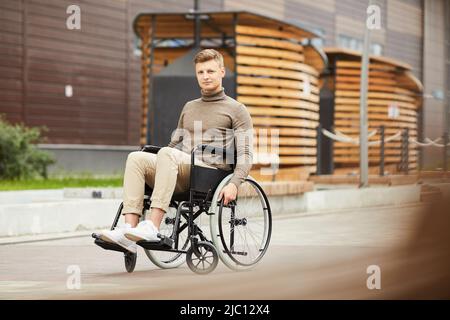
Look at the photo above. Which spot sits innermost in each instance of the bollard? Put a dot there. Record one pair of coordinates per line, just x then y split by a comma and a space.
404, 152
406, 146
445, 151
382, 151
318, 147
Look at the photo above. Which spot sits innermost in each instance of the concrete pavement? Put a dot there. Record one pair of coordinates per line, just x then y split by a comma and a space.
310, 256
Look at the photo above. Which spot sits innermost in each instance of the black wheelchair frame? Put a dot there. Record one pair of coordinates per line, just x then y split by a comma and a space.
203, 185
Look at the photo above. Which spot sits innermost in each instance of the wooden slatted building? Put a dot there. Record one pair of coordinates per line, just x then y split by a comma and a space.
394, 100
276, 71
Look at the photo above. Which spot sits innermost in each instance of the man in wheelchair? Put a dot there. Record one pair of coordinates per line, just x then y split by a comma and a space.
208, 120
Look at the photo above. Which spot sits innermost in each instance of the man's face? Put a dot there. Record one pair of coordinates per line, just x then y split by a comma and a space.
209, 75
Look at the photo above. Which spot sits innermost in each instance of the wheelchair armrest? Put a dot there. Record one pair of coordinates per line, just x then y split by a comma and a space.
151, 149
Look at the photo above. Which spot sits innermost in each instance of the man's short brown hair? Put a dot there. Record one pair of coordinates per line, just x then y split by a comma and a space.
209, 54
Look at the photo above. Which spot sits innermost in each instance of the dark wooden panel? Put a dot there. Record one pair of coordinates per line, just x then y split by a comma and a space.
11, 107
42, 55
67, 47
11, 26
59, 13
11, 96
102, 77
91, 9
10, 73
11, 84
10, 50
139, 6
74, 80
74, 101
81, 91
11, 61
118, 5
11, 4
65, 35
94, 127
49, 108
42, 111
10, 15
87, 28
96, 121
10, 38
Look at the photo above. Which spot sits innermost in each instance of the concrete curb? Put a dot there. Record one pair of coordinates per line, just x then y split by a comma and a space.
45, 237
54, 217
68, 214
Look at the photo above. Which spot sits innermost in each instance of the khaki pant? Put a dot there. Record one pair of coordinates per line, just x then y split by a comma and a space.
166, 172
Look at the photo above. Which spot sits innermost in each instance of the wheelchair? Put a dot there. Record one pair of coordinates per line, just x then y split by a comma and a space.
238, 234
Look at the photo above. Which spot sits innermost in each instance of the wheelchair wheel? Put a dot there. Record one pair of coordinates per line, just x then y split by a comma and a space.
169, 259
241, 230
202, 258
130, 261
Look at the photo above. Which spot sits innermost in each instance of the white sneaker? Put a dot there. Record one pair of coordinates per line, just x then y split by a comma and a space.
145, 230
117, 236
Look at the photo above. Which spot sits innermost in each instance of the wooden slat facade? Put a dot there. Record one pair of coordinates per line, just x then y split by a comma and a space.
11, 60
390, 84
273, 75
40, 56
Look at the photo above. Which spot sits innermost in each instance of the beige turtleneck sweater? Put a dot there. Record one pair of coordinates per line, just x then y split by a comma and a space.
215, 120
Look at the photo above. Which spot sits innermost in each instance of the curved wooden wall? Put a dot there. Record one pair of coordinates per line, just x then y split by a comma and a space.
272, 77
389, 84
277, 79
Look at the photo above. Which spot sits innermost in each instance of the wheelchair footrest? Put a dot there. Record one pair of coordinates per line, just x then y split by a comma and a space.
107, 245
165, 243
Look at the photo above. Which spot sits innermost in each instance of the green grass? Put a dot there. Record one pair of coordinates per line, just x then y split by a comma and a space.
59, 183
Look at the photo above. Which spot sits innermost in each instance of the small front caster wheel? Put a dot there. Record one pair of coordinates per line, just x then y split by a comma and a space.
130, 261
203, 259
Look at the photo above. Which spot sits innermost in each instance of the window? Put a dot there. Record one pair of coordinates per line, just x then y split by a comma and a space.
137, 46
376, 49
319, 42
358, 44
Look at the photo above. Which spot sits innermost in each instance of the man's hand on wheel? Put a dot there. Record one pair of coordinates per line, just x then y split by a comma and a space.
228, 193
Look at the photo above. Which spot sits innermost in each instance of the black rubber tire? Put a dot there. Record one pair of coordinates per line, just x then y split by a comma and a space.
208, 254
130, 261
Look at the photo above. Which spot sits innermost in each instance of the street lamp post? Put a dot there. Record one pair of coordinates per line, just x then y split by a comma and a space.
363, 126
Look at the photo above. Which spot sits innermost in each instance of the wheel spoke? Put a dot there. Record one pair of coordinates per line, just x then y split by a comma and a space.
257, 243
246, 245
210, 263
250, 232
